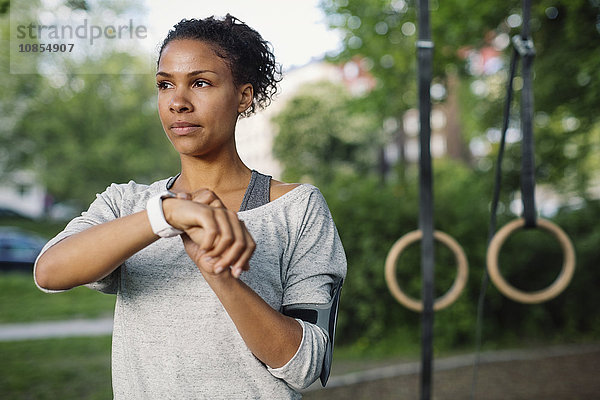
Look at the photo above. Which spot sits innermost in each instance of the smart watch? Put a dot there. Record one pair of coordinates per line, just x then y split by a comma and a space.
159, 224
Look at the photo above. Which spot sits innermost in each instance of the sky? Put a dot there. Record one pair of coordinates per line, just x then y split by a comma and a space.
296, 28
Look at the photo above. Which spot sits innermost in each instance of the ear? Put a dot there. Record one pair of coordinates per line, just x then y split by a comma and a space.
246, 95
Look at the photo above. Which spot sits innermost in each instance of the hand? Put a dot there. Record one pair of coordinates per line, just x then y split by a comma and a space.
214, 237
207, 197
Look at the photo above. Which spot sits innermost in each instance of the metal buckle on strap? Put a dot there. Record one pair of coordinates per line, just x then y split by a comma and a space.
523, 46
424, 44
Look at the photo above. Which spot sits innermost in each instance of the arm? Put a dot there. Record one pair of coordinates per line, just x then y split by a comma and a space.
93, 253
293, 350
316, 263
272, 337
101, 249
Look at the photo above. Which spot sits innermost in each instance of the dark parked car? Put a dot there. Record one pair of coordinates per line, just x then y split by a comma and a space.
19, 248
12, 214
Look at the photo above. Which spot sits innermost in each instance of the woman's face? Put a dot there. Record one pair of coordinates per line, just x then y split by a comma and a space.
198, 102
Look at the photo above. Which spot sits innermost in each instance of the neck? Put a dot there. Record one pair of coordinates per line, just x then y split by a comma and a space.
224, 175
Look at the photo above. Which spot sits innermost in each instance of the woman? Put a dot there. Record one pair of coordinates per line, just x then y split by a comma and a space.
203, 263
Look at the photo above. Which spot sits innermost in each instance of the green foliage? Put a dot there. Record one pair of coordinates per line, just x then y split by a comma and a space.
373, 32
4, 6
371, 217
79, 132
566, 72
566, 95
92, 130
318, 134
531, 260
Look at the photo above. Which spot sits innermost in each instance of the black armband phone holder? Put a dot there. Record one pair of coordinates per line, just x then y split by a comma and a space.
325, 317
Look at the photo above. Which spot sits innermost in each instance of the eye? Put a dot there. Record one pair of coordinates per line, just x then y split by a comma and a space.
162, 85
201, 83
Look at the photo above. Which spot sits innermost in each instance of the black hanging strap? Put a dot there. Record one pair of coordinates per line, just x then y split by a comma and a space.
493, 218
425, 72
523, 48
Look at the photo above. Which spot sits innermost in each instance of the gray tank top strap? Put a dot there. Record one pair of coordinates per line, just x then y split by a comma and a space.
172, 180
257, 193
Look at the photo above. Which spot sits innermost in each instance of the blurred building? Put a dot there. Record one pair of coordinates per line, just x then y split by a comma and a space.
25, 197
255, 134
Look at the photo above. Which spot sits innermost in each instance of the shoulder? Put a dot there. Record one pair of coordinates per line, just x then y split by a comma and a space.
279, 188
127, 195
298, 197
291, 199
129, 189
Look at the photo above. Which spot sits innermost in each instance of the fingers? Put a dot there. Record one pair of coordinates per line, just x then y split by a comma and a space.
207, 197
206, 229
222, 239
227, 232
183, 196
243, 262
238, 253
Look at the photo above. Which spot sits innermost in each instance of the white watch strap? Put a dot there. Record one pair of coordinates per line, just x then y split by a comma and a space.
154, 209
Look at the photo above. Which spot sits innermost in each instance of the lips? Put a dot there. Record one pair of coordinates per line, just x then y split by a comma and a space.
183, 127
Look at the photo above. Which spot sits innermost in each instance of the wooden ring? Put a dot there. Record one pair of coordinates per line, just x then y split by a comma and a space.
459, 282
561, 282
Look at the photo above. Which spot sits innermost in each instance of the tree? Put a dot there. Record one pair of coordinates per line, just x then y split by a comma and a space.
371, 216
92, 130
319, 135
79, 132
17, 92
565, 98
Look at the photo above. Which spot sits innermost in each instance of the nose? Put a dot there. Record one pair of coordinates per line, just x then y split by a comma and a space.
179, 103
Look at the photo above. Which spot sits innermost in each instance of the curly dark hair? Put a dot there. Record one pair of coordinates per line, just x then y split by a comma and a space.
249, 56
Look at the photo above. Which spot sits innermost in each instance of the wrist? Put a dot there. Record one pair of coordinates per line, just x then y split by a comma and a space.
156, 215
167, 206
220, 281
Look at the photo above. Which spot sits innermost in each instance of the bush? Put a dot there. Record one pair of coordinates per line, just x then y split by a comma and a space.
372, 215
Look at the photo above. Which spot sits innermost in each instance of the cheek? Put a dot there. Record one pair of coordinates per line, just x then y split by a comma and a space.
220, 109
163, 109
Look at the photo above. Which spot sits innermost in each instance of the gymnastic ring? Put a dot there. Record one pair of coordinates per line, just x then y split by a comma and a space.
561, 282
459, 282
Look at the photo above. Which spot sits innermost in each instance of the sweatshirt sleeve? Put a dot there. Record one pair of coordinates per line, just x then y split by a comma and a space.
315, 261
103, 209
305, 366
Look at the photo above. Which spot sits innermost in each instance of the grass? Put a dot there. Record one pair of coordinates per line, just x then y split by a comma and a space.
69, 369
74, 368
22, 301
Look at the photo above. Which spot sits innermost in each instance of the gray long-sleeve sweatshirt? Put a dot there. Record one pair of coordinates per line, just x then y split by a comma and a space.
173, 339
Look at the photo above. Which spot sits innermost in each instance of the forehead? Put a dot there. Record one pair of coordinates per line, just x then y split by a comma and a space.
185, 55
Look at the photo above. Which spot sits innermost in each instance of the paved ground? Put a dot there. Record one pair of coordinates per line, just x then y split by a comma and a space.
56, 329
557, 373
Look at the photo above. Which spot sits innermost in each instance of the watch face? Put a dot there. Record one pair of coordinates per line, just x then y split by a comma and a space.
159, 224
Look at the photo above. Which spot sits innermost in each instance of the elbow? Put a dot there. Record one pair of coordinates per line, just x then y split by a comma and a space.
305, 366
43, 274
